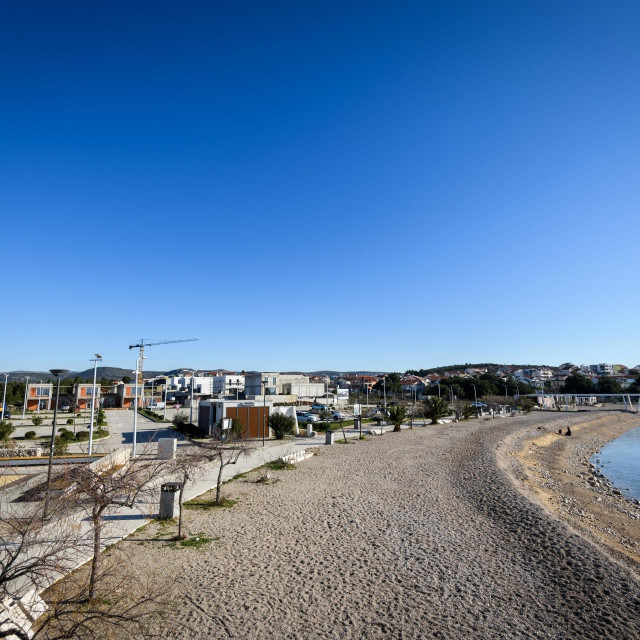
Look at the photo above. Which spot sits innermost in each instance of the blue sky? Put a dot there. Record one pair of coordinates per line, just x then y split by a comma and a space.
300, 185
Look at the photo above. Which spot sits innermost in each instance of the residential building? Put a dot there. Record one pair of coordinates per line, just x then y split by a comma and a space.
82, 394
228, 384
39, 396
126, 393
602, 369
295, 386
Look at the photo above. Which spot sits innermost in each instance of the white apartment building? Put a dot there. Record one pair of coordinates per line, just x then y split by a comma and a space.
282, 384
228, 385
602, 369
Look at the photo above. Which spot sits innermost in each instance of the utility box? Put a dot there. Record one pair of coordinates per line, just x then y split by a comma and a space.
329, 436
168, 499
167, 448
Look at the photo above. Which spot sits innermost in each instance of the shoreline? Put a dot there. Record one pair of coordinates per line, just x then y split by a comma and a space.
556, 471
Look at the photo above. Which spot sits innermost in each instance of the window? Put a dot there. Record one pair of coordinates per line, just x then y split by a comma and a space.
42, 391
89, 391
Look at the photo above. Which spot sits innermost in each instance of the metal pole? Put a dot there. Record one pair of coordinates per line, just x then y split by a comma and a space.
264, 408
438, 383
53, 438
93, 402
384, 404
24, 405
4, 395
475, 395
135, 411
191, 402
164, 414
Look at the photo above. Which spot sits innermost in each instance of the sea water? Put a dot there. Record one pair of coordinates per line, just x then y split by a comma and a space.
620, 462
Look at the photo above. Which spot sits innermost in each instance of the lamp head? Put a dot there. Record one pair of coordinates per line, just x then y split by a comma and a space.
58, 372
98, 356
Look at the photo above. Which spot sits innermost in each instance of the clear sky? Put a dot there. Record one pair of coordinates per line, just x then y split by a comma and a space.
309, 185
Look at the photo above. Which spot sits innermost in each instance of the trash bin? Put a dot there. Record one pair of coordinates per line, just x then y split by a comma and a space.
168, 499
329, 437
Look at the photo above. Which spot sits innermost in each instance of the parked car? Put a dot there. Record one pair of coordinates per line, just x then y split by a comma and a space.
479, 405
318, 407
156, 405
304, 417
6, 414
65, 406
338, 416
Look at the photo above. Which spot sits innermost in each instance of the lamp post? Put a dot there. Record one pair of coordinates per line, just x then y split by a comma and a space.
57, 373
24, 404
193, 375
264, 407
135, 409
95, 361
384, 404
506, 393
475, 395
4, 394
166, 384
438, 383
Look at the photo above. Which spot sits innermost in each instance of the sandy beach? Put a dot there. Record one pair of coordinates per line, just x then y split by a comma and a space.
558, 472
419, 534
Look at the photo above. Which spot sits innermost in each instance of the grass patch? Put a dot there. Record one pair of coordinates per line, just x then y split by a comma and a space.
206, 505
195, 542
238, 476
279, 465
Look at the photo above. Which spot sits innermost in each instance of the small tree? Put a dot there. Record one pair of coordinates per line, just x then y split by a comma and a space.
526, 404
436, 408
100, 489
469, 411
224, 452
281, 425
397, 415
37, 420
188, 464
180, 420
6, 429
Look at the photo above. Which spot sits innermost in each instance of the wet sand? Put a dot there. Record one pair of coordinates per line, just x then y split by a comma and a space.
559, 473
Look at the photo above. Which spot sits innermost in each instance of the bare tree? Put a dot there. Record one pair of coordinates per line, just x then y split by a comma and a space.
35, 552
130, 607
112, 485
225, 451
187, 466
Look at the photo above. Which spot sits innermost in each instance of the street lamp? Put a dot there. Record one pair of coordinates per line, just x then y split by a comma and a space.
135, 408
95, 361
4, 395
57, 373
264, 406
24, 404
475, 395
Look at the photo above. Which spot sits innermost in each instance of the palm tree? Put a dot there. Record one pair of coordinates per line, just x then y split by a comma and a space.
436, 408
397, 415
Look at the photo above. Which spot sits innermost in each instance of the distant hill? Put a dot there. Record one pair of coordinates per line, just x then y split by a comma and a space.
491, 366
114, 373
342, 373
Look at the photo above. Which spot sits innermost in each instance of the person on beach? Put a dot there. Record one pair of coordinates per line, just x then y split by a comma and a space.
568, 433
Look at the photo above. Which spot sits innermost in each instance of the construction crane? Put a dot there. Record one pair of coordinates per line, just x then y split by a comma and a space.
144, 344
